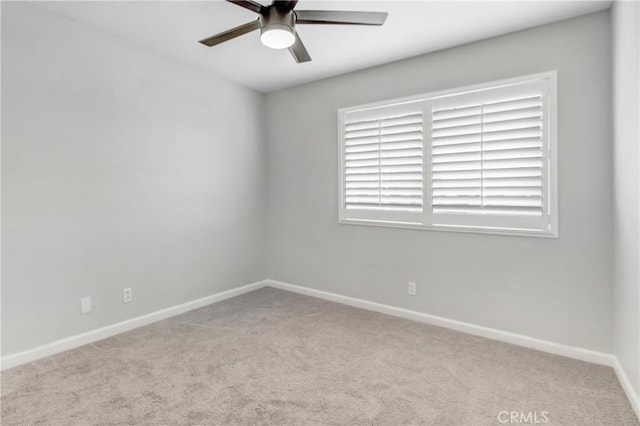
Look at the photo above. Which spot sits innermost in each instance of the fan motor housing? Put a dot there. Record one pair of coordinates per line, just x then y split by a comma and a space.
275, 19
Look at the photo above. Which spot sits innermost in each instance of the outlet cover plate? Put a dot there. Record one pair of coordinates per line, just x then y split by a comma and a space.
412, 288
127, 295
85, 305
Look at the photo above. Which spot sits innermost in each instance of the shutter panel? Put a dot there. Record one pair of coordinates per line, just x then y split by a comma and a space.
383, 164
488, 153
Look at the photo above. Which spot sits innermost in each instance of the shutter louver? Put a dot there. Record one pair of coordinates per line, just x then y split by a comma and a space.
487, 157
383, 161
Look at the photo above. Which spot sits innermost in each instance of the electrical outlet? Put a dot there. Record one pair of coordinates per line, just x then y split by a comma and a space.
85, 305
412, 288
127, 295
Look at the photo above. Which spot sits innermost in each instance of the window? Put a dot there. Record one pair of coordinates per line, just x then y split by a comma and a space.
479, 159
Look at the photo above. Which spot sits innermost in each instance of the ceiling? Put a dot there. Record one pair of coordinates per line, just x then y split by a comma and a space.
412, 28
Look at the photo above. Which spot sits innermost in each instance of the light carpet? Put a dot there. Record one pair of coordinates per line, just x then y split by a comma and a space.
274, 357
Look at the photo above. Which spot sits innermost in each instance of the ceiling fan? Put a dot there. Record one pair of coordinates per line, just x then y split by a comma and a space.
277, 23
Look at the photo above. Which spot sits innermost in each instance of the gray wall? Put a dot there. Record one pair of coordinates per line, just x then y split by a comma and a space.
555, 289
626, 111
120, 168
123, 168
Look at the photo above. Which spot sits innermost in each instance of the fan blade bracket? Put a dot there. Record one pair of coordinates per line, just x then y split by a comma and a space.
339, 17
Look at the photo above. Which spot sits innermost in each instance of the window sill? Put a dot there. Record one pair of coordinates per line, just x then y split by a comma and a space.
450, 228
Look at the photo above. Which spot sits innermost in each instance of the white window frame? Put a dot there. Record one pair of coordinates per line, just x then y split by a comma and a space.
425, 220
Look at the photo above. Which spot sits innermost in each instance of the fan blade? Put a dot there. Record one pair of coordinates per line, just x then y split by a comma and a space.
251, 5
340, 17
284, 6
232, 33
298, 51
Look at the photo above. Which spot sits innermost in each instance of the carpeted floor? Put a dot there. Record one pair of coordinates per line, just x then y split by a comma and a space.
273, 357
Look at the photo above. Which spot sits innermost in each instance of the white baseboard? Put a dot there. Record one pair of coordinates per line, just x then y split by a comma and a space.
58, 346
62, 345
476, 330
634, 398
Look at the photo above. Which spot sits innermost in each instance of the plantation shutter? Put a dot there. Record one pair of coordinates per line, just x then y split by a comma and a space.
478, 159
489, 157
383, 161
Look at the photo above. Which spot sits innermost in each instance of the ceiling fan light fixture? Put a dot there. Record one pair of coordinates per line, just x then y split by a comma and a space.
277, 36
277, 23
